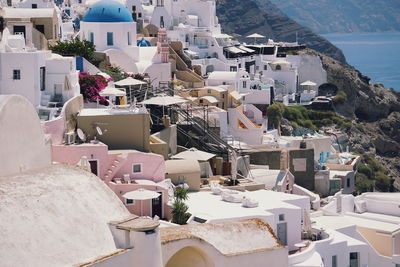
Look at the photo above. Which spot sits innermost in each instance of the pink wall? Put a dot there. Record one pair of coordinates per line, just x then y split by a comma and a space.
153, 166
56, 128
121, 189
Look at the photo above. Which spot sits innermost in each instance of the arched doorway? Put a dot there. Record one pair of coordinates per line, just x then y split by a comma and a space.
190, 256
327, 89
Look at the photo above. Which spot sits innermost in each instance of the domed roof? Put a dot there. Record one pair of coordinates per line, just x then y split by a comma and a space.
143, 43
108, 11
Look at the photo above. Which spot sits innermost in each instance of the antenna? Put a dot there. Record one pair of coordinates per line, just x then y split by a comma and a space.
99, 131
81, 134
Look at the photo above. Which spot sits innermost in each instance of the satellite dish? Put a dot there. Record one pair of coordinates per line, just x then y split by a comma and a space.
81, 134
99, 131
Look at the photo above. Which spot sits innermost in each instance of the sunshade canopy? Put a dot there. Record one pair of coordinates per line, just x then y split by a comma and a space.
129, 82
308, 83
194, 154
164, 100
255, 35
112, 91
141, 194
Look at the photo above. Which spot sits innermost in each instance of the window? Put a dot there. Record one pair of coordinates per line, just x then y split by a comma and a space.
334, 261
161, 22
16, 74
223, 96
91, 36
34, 5
265, 67
244, 84
240, 65
278, 67
129, 38
42, 78
208, 91
223, 83
233, 68
348, 182
139, 15
137, 168
201, 101
354, 259
110, 39
133, 8
129, 202
281, 217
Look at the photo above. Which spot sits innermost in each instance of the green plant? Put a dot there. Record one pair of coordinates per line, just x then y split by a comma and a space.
340, 98
179, 208
275, 113
76, 47
363, 184
366, 170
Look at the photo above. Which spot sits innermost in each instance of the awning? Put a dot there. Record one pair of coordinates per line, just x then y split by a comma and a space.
210, 99
129, 82
190, 52
222, 35
235, 50
248, 50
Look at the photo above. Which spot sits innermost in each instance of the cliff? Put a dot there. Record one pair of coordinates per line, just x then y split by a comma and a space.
341, 15
245, 17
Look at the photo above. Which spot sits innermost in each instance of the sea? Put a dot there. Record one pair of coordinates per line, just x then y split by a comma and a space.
376, 55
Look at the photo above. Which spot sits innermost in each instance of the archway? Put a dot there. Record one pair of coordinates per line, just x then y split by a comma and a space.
209, 68
278, 67
190, 256
327, 89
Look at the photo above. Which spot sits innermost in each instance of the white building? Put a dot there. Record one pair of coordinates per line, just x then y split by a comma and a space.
42, 77
109, 25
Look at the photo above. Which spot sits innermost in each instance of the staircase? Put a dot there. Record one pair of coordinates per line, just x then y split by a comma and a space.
115, 166
207, 140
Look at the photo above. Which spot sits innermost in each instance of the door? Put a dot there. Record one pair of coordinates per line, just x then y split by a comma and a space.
282, 233
19, 29
40, 28
354, 259
156, 206
94, 166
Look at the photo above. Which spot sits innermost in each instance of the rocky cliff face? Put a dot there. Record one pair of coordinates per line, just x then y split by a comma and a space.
341, 15
244, 17
375, 110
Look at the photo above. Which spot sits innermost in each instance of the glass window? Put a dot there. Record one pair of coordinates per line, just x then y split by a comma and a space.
265, 67
110, 39
16, 74
334, 261
91, 36
42, 78
129, 202
348, 182
34, 5
137, 168
244, 84
129, 38
281, 217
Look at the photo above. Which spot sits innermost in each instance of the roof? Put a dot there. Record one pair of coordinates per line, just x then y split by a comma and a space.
181, 166
210, 99
54, 212
268, 177
107, 11
222, 75
222, 88
9, 12
244, 236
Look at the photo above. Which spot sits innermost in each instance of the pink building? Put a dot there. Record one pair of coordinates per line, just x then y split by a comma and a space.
122, 170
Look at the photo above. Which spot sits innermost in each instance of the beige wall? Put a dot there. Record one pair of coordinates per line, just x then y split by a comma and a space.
381, 241
221, 96
124, 131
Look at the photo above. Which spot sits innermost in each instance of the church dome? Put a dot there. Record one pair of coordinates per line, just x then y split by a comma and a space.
107, 11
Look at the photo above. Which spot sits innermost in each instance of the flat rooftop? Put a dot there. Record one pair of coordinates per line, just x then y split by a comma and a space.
110, 111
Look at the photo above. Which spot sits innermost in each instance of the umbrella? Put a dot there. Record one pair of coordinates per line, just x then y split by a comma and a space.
112, 91
308, 83
194, 154
129, 82
165, 100
141, 194
255, 36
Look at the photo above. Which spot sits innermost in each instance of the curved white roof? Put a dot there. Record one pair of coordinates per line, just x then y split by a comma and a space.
56, 216
210, 99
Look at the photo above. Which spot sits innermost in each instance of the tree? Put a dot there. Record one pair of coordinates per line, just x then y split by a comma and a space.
179, 208
76, 47
363, 184
275, 113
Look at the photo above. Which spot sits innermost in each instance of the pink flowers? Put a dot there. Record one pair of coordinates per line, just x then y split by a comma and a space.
91, 85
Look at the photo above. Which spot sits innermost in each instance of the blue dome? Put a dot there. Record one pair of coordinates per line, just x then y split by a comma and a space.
143, 43
108, 11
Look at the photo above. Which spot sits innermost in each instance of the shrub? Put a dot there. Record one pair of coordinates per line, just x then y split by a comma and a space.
76, 47
91, 85
340, 98
367, 171
382, 182
179, 208
363, 184
275, 113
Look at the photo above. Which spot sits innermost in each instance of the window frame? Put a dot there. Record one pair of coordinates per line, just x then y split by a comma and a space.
110, 39
16, 74
129, 204
137, 164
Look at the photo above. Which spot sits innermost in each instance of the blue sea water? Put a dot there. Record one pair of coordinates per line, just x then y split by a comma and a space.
376, 55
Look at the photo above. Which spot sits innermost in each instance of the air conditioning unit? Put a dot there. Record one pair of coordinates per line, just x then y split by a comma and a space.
69, 138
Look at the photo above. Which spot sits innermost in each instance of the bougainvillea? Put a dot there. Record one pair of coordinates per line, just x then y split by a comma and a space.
91, 85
